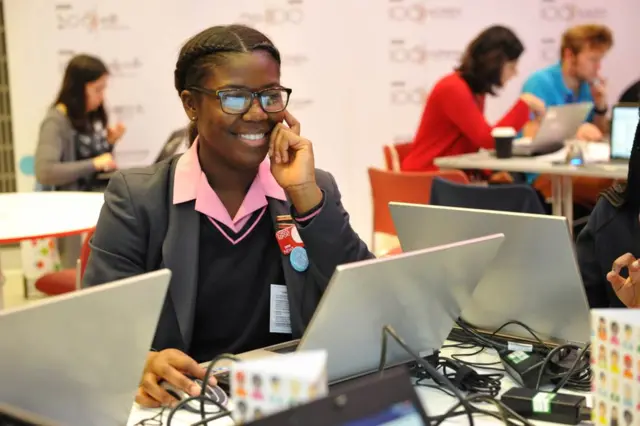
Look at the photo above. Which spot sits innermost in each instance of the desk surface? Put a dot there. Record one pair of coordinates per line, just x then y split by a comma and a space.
485, 160
435, 401
32, 215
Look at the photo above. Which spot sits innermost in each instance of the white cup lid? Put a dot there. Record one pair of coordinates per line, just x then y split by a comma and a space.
503, 132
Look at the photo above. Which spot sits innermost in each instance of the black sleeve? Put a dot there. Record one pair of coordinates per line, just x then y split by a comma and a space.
118, 246
593, 277
329, 238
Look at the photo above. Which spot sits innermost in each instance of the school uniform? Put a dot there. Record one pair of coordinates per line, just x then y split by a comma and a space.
224, 270
610, 232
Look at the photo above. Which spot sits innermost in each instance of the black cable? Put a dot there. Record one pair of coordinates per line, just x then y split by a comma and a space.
575, 368
203, 398
505, 414
483, 365
462, 376
387, 330
156, 420
479, 338
472, 334
223, 410
208, 374
468, 380
524, 326
565, 377
577, 377
420, 382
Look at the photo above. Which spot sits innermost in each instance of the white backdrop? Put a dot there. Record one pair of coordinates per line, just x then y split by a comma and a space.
360, 69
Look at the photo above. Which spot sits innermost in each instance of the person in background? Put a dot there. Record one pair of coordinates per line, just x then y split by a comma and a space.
76, 141
575, 78
613, 228
453, 121
211, 216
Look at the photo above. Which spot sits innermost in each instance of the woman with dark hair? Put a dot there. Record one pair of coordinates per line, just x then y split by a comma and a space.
453, 121
211, 216
614, 228
75, 140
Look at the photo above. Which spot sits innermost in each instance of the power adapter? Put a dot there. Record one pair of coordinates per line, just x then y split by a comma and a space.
546, 406
524, 367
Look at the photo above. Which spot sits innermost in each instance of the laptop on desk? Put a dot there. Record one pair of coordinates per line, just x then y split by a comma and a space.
534, 278
624, 121
560, 123
420, 294
176, 143
385, 400
77, 359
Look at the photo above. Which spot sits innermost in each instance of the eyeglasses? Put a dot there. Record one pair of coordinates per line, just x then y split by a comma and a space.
239, 101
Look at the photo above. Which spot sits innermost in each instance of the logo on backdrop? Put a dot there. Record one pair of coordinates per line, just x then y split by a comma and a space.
401, 95
566, 11
296, 104
118, 67
292, 60
125, 112
549, 50
401, 53
91, 20
418, 12
273, 16
403, 138
124, 67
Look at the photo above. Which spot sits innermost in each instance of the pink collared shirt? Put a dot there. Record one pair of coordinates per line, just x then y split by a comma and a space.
190, 183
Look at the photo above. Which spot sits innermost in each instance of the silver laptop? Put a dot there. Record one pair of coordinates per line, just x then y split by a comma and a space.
534, 278
624, 121
419, 294
561, 122
77, 358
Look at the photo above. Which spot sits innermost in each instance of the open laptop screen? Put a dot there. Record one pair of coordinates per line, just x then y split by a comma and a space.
389, 400
398, 414
624, 121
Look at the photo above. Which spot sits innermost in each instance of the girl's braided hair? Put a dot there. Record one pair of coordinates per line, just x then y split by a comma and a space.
209, 48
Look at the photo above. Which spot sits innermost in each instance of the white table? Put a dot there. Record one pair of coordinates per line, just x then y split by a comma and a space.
434, 401
35, 215
561, 174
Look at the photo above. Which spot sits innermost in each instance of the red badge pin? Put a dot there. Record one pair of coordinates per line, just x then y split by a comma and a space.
288, 239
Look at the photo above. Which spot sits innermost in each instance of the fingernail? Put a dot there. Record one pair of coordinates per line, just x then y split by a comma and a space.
636, 264
195, 390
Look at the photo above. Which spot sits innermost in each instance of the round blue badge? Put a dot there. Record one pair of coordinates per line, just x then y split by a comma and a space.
299, 260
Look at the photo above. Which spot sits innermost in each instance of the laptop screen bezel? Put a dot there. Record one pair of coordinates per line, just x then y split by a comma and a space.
15, 414
625, 105
362, 398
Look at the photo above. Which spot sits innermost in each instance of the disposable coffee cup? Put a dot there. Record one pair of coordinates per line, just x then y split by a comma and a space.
503, 137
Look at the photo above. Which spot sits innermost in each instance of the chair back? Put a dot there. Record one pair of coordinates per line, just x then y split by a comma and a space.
407, 187
394, 154
519, 198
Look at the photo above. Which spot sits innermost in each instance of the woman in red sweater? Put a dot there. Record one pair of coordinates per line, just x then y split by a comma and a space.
453, 121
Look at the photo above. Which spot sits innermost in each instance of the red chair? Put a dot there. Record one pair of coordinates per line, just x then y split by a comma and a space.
406, 187
394, 154
67, 280
394, 251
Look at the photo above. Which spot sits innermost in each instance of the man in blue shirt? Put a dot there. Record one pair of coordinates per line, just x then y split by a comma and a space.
576, 78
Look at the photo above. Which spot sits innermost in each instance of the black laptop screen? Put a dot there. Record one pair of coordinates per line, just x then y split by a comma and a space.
399, 414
